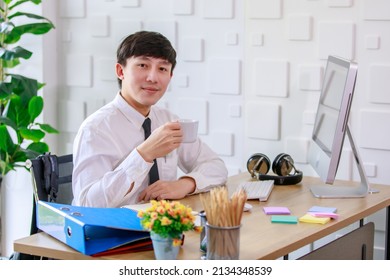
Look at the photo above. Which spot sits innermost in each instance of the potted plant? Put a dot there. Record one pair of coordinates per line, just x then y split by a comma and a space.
166, 221
21, 136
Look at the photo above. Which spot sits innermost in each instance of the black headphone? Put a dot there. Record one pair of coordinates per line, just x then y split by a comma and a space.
258, 166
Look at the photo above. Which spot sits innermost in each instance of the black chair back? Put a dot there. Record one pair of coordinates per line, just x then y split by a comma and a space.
52, 181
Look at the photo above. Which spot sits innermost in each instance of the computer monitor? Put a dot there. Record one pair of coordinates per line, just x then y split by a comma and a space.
330, 128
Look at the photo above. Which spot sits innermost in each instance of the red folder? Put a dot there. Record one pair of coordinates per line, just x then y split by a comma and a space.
139, 246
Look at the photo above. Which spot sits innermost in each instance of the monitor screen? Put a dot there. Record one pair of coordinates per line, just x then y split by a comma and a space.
331, 123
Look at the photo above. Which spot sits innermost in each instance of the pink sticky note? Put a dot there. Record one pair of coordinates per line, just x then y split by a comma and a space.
276, 210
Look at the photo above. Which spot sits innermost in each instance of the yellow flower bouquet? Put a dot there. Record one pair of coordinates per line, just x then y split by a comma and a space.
168, 219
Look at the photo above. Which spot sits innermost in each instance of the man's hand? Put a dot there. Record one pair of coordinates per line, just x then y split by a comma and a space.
161, 142
168, 189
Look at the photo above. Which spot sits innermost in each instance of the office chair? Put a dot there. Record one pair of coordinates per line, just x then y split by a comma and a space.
52, 181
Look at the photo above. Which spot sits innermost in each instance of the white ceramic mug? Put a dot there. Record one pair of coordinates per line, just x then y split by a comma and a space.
189, 129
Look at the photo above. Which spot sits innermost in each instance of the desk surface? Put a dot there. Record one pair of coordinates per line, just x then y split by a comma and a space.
259, 238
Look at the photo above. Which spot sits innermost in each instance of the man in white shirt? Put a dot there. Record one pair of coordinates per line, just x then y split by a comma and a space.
111, 157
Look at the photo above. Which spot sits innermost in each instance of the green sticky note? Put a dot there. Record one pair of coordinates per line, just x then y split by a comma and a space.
284, 219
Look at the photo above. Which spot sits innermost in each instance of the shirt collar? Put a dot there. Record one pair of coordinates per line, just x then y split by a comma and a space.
130, 113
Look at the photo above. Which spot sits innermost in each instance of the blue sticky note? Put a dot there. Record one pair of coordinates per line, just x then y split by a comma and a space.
323, 209
284, 219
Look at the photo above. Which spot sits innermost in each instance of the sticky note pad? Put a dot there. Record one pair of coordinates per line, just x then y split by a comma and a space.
307, 218
276, 210
284, 219
323, 209
324, 215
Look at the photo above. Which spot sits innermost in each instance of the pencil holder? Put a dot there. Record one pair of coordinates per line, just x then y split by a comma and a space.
223, 243
203, 238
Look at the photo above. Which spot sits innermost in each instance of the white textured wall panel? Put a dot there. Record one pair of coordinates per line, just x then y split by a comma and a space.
72, 8
183, 7
309, 117
122, 28
263, 120
271, 78
75, 113
346, 164
376, 9
298, 148
224, 76
374, 128
194, 108
340, 3
83, 76
370, 169
231, 38
235, 110
336, 38
222, 142
310, 77
218, 9
98, 25
130, 3
299, 27
192, 49
182, 80
106, 68
261, 9
165, 27
372, 42
93, 105
378, 76
257, 39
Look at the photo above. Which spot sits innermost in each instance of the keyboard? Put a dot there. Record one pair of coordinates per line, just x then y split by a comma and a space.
260, 190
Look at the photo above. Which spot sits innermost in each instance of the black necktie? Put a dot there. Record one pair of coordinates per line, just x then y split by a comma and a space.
153, 173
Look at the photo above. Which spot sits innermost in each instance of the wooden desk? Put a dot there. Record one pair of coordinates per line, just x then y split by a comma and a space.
259, 238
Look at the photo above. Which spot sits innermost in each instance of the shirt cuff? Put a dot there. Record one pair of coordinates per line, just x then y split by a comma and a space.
200, 184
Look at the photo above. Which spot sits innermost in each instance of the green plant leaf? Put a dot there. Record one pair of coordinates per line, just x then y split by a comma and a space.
8, 122
6, 27
21, 2
48, 128
32, 134
35, 107
3, 138
25, 87
10, 63
33, 28
17, 14
18, 156
41, 85
6, 143
18, 112
5, 90
17, 52
5, 166
38, 147
7, 1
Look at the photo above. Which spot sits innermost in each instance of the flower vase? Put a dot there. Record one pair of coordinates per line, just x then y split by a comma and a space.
163, 247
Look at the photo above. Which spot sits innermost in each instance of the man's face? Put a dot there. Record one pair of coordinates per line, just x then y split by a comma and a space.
144, 81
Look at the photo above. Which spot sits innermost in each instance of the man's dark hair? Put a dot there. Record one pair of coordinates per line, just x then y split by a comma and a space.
145, 43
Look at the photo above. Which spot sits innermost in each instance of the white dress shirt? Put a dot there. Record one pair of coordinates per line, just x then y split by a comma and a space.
106, 161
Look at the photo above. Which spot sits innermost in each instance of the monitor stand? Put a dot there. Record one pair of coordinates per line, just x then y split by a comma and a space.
328, 191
